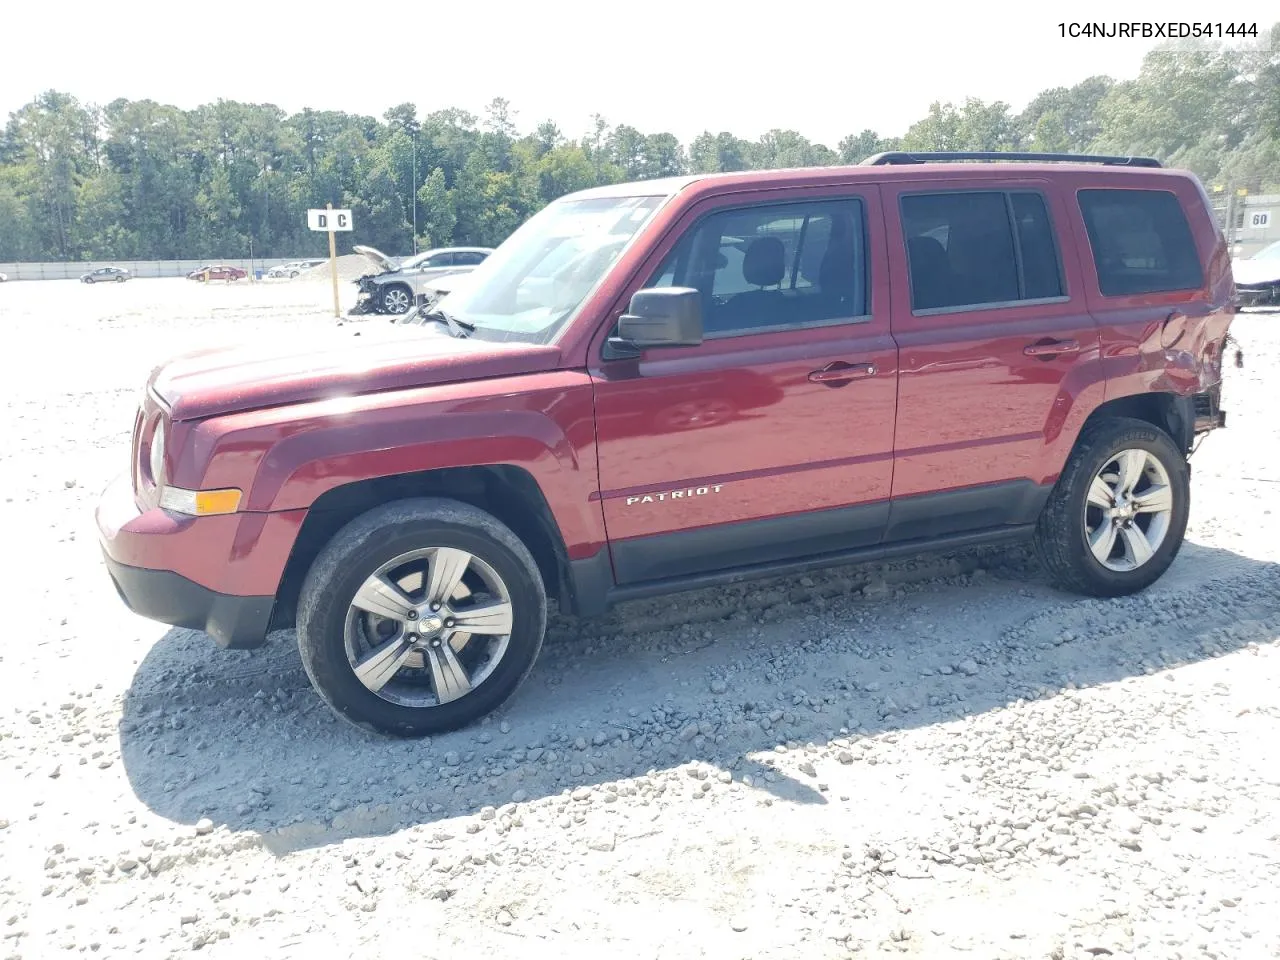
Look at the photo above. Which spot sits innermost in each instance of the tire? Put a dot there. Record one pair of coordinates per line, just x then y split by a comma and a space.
333, 634
1073, 514
397, 298
119, 279
88, 279
292, 274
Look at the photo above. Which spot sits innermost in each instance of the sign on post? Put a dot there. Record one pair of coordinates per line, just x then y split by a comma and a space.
330, 221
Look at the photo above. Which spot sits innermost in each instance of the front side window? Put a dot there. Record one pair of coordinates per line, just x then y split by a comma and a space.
970, 249
532, 284
1141, 242
774, 266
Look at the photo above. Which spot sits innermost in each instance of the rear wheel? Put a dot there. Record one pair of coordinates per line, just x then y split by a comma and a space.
421, 616
1118, 514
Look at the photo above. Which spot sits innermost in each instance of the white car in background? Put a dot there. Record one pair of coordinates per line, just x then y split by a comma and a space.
293, 268
1258, 277
396, 286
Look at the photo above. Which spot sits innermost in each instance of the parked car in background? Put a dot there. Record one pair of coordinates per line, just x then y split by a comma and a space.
217, 271
912, 354
1258, 277
105, 275
395, 289
293, 268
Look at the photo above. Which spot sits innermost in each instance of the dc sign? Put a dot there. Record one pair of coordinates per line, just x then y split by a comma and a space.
327, 221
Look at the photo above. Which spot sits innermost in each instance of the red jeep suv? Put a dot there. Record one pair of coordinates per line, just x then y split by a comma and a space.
651, 387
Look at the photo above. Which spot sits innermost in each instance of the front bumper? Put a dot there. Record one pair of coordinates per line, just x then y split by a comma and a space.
217, 574
1259, 295
236, 623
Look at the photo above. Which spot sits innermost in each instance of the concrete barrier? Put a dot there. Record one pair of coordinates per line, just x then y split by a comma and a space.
136, 268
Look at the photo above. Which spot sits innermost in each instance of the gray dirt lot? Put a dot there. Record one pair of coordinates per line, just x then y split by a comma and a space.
935, 758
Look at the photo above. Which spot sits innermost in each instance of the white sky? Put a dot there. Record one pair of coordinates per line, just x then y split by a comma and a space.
823, 67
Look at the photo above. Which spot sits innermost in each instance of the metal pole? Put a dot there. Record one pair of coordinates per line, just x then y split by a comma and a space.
415, 191
333, 265
1230, 225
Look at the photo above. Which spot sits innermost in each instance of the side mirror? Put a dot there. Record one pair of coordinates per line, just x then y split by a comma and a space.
658, 317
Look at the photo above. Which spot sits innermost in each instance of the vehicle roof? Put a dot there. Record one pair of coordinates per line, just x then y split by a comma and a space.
816, 176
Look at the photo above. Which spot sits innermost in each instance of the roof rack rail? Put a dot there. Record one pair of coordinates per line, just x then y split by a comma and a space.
895, 157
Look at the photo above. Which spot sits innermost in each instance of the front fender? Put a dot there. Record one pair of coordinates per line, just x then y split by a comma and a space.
286, 458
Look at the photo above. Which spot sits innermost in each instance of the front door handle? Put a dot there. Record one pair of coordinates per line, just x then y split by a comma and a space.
838, 372
1048, 348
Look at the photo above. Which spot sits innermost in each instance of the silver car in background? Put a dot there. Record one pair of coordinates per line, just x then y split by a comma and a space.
397, 286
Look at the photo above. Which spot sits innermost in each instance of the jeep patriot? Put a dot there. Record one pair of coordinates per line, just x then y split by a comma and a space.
659, 386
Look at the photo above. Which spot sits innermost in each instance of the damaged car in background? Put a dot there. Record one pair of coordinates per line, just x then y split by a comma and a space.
396, 287
1258, 277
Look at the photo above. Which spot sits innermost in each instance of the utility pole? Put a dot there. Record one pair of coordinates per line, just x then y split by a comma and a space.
1230, 226
415, 188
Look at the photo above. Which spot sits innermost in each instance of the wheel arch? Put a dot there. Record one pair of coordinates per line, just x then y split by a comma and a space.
1169, 412
508, 492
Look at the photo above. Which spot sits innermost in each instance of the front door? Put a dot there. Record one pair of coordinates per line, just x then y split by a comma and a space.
772, 439
999, 353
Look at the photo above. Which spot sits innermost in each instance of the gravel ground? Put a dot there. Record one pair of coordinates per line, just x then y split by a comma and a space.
942, 757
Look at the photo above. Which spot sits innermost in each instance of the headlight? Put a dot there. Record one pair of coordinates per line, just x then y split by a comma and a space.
157, 455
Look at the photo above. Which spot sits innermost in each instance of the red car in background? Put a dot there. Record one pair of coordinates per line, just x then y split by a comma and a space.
217, 271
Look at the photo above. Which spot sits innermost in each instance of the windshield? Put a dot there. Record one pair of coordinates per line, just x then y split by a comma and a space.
530, 286
1270, 252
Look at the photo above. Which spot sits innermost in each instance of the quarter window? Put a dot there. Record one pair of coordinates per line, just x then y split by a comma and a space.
968, 249
1141, 242
775, 266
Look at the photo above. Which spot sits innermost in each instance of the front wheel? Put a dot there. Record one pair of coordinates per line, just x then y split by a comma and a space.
397, 299
1118, 514
421, 616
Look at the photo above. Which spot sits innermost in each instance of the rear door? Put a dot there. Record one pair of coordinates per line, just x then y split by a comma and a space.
1158, 281
996, 346
773, 438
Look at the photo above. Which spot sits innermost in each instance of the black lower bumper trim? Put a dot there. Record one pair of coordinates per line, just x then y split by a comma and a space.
237, 623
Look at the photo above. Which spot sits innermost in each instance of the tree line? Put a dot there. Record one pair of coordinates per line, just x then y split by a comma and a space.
146, 180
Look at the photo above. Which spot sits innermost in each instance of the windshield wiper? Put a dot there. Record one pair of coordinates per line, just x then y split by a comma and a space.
458, 328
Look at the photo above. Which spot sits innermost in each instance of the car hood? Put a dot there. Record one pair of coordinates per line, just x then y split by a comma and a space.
1256, 271
335, 362
377, 257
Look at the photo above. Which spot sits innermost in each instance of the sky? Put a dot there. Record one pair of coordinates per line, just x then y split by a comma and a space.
825, 68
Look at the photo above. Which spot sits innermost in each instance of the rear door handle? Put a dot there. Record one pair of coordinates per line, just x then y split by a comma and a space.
1047, 348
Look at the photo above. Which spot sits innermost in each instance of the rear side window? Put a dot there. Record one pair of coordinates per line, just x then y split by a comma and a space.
967, 249
1141, 242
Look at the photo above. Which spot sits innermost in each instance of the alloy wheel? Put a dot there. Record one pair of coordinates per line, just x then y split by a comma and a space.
428, 627
395, 300
1128, 510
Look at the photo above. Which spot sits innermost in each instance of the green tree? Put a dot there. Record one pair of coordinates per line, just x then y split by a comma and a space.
436, 214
